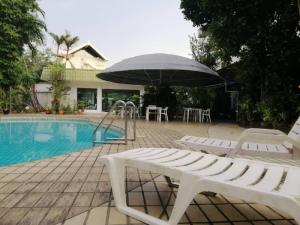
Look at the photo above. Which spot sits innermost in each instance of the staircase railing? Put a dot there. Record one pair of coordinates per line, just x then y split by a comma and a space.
129, 112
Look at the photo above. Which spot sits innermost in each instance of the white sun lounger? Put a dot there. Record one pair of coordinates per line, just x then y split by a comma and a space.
275, 185
251, 141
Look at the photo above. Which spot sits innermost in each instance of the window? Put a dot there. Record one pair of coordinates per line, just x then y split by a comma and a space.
110, 96
87, 97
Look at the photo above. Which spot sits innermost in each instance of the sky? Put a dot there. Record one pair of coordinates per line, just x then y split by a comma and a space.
121, 29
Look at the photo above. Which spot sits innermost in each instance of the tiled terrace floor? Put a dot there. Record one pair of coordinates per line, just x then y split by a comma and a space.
74, 189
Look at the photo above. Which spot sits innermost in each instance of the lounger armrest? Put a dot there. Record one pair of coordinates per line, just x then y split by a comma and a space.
262, 137
263, 131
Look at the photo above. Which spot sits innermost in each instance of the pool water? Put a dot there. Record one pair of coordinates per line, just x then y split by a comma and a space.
25, 141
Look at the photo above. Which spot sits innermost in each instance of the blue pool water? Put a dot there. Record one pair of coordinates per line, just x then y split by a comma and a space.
24, 141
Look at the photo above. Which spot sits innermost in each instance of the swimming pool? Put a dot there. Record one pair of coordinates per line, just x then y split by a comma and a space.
25, 141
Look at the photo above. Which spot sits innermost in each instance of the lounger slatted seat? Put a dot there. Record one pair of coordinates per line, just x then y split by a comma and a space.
251, 141
275, 185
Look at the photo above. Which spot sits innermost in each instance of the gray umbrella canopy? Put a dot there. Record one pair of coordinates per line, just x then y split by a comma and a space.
157, 69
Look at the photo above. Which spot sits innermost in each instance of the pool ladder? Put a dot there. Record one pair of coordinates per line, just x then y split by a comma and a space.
128, 111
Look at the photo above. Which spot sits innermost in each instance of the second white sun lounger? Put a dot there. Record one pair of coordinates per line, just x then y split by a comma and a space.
251, 141
275, 185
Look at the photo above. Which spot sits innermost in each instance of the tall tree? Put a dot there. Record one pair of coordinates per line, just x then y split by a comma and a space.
265, 37
57, 68
69, 42
20, 26
34, 63
205, 51
59, 40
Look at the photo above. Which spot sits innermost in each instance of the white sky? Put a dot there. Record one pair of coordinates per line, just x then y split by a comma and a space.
122, 28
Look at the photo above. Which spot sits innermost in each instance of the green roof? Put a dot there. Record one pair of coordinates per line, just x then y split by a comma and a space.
74, 75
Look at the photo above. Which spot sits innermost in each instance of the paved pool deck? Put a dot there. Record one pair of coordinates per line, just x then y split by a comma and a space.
74, 189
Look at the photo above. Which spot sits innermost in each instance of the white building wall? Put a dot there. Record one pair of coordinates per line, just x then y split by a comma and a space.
43, 94
42, 87
71, 97
142, 92
99, 99
44, 99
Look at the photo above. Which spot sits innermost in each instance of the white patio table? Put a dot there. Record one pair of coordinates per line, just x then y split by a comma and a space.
186, 114
156, 110
194, 112
197, 114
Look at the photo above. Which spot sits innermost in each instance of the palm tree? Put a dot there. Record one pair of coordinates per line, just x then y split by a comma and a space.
59, 40
69, 41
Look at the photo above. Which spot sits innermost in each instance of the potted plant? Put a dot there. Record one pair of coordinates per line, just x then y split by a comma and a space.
61, 110
135, 99
81, 106
53, 110
68, 110
48, 110
75, 107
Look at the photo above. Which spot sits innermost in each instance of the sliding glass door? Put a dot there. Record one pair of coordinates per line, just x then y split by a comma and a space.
110, 96
88, 97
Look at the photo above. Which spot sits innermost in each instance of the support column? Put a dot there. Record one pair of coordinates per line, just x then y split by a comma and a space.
73, 96
142, 92
99, 99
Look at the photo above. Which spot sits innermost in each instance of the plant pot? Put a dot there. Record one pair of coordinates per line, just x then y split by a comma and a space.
61, 112
5, 111
75, 112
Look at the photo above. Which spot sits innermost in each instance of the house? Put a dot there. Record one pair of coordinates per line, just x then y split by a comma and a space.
82, 85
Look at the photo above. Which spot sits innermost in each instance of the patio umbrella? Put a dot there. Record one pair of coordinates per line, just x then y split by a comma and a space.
158, 69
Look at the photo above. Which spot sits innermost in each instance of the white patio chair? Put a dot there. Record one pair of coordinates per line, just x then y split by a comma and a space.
186, 114
152, 110
205, 115
164, 112
275, 185
251, 141
131, 112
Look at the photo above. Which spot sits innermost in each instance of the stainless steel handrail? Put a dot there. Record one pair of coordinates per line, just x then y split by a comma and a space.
106, 129
107, 114
127, 106
133, 107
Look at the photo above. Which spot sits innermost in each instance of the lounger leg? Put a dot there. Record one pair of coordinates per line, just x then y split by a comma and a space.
117, 174
117, 177
297, 219
293, 210
186, 193
289, 205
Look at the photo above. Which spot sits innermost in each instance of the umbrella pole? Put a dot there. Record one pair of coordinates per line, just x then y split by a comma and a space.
160, 77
